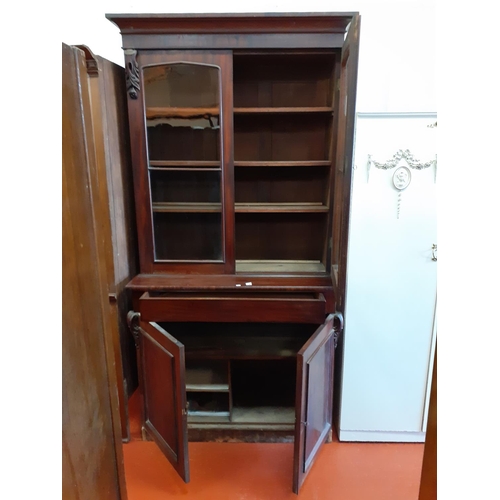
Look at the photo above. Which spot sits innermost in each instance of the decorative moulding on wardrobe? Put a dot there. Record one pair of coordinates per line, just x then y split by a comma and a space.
402, 176
401, 154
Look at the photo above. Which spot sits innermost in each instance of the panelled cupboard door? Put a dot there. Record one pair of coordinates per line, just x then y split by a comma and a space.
314, 399
165, 416
346, 104
342, 179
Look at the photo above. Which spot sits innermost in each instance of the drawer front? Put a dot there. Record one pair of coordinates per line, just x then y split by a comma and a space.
265, 308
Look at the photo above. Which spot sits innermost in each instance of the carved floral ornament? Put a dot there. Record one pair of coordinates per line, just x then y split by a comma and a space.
132, 74
402, 155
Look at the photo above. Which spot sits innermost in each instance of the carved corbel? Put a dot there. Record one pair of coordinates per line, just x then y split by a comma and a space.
133, 319
338, 326
132, 74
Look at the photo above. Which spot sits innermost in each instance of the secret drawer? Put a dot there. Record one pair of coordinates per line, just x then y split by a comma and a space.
255, 307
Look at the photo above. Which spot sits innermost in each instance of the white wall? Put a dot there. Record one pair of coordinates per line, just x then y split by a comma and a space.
397, 56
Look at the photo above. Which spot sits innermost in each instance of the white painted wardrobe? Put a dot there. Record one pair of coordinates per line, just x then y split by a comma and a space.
389, 335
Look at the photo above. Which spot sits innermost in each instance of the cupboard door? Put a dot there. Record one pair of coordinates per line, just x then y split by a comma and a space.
181, 121
164, 393
345, 104
313, 413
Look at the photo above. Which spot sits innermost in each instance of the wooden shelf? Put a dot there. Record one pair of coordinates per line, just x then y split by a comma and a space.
208, 413
279, 266
281, 110
207, 378
305, 163
187, 207
241, 207
184, 165
167, 112
280, 207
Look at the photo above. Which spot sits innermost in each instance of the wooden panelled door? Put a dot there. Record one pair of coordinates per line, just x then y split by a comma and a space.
342, 178
346, 106
162, 367
314, 399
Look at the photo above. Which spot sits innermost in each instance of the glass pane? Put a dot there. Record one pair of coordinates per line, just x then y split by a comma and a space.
184, 186
187, 235
183, 132
182, 112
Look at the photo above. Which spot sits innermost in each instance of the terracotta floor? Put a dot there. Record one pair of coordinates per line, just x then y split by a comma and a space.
247, 471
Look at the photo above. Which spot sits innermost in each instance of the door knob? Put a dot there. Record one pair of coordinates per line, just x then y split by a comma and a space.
434, 252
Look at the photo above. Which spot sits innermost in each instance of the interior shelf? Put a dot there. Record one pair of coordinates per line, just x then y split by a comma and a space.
312, 207
263, 414
187, 207
291, 163
282, 109
207, 377
279, 266
179, 165
176, 112
274, 418
205, 404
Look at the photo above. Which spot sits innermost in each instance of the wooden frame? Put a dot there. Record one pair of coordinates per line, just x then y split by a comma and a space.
286, 172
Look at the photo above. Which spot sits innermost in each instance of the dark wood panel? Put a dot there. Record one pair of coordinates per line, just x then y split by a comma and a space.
313, 420
186, 186
183, 143
281, 138
92, 454
233, 308
188, 236
231, 340
164, 392
280, 236
281, 185
234, 41
270, 80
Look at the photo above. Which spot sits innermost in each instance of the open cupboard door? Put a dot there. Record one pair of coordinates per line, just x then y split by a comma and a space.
314, 399
346, 104
342, 178
162, 367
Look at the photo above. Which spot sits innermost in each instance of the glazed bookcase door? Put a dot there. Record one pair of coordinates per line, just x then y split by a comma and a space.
183, 160
314, 399
162, 365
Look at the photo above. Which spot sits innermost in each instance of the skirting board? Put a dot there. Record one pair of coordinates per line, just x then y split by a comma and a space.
382, 436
